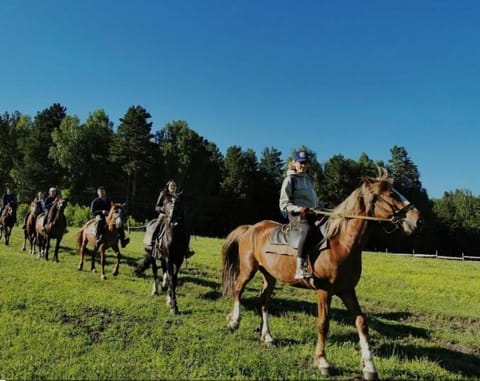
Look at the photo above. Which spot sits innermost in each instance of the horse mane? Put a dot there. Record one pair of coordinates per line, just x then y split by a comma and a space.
354, 204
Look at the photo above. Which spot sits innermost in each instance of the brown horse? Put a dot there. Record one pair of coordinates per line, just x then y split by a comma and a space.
29, 231
86, 236
7, 220
54, 228
336, 264
169, 249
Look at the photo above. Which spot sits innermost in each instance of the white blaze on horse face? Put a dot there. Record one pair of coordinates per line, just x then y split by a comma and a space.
401, 197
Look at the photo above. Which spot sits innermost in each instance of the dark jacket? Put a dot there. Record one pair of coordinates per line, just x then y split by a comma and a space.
100, 206
164, 199
9, 199
49, 201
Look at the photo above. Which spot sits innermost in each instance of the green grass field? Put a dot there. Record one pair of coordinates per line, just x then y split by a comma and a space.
58, 323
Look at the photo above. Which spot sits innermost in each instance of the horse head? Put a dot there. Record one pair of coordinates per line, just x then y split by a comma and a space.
173, 210
36, 207
116, 215
384, 202
7, 211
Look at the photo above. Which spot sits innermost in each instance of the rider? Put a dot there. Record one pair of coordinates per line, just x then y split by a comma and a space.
9, 198
297, 196
53, 195
166, 197
100, 208
39, 198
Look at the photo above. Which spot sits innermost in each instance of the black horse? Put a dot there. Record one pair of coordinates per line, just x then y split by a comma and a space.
169, 248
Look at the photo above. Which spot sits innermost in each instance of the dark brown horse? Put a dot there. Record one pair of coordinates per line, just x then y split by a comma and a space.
7, 220
169, 249
54, 228
336, 265
86, 236
29, 231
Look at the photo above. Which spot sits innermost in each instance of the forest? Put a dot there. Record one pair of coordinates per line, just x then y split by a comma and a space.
221, 191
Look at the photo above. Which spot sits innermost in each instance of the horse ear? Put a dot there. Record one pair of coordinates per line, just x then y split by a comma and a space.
368, 180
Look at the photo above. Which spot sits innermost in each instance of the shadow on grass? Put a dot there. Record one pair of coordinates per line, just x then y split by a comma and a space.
457, 359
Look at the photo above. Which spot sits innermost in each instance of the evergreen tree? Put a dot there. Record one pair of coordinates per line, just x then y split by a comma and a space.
132, 150
39, 171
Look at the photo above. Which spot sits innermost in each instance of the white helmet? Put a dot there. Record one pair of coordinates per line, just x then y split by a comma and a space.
52, 190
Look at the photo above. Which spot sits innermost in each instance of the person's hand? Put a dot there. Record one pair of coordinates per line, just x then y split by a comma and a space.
304, 210
105, 212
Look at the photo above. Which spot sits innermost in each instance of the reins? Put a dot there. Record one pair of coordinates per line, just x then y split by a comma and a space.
370, 218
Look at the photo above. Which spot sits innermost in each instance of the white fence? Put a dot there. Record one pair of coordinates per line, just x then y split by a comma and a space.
435, 256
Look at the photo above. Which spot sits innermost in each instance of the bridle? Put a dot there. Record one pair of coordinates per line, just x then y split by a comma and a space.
397, 215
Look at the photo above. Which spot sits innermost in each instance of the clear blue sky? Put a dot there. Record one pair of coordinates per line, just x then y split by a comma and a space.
341, 77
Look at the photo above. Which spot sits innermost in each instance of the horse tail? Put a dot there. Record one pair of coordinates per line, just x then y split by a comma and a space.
79, 238
230, 259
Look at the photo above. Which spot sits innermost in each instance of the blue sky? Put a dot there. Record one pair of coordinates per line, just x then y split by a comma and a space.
341, 77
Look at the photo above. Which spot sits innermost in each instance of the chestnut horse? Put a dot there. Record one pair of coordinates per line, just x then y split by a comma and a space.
29, 232
86, 235
55, 228
7, 220
336, 264
169, 248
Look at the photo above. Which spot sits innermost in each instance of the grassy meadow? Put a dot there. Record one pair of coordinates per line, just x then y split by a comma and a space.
59, 323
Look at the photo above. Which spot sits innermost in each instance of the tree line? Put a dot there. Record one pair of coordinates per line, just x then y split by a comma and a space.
221, 191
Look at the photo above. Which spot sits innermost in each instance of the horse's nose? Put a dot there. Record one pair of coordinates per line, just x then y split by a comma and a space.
420, 223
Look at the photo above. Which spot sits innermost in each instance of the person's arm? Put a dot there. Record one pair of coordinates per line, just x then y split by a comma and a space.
286, 197
159, 204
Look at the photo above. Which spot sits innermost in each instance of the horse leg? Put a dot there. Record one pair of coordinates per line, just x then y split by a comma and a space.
102, 262
264, 302
117, 264
8, 230
165, 275
57, 248
324, 300
350, 301
25, 236
81, 252
172, 289
152, 260
245, 275
92, 261
47, 248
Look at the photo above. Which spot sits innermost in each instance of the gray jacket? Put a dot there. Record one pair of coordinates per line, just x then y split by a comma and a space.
304, 193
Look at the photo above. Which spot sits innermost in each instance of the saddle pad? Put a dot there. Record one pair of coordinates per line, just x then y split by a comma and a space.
280, 249
285, 235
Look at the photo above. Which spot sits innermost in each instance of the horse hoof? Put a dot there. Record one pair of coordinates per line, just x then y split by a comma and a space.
325, 372
370, 376
267, 340
104, 277
115, 273
174, 311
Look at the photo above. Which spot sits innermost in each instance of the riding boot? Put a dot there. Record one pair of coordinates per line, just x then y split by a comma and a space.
189, 253
124, 241
301, 271
98, 234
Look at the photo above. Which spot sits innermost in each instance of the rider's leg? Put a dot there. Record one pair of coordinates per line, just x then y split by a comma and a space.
301, 270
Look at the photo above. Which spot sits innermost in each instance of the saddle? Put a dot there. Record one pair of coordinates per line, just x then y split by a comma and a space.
157, 225
284, 239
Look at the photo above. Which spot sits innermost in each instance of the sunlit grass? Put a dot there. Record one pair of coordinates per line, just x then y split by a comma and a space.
59, 323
